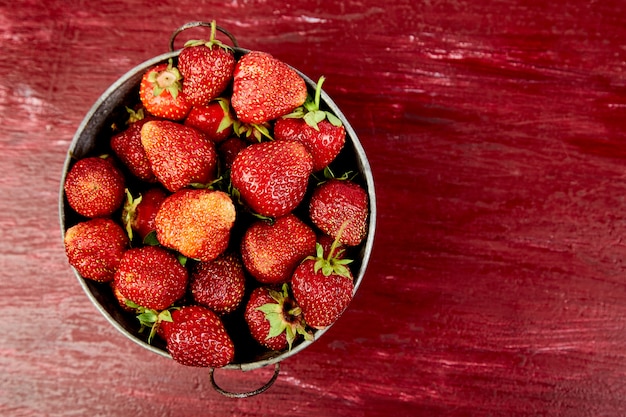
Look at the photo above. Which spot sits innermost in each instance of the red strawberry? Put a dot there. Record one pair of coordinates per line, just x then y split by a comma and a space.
196, 223
271, 251
336, 202
197, 337
179, 315
207, 68
212, 119
161, 92
179, 155
151, 277
127, 146
320, 131
322, 288
95, 248
324, 143
228, 150
94, 187
272, 177
265, 88
218, 284
274, 319
139, 213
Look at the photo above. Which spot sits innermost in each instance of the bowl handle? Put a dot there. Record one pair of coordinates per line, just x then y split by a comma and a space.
190, 25
244, 394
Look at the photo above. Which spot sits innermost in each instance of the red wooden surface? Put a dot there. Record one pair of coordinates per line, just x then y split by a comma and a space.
495, 131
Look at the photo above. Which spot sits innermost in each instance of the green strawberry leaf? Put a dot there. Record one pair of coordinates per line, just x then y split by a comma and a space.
148, 317
134, 116
312, 118
151, 239
166, 315
334, 120
341, 270
319, 250
298, 113
270, 308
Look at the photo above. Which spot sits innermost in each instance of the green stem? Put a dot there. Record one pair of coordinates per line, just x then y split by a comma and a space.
336, 241
213, 30
318, 92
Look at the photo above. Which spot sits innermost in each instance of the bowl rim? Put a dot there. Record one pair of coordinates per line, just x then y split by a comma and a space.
362, 161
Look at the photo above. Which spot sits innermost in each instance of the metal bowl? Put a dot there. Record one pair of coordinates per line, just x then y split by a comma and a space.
92, 138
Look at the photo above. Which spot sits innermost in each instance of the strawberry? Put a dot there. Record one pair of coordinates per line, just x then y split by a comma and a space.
196, 223
320, 131
207, 68
336, 202
95, 248
161, 92
218, 284
228, 150
197, 337
94, 187
213, 119
271, 251
139, 213
323, 288
324, 143
127, 146
274, 319
179, 155
272, 177
151, 277
265, 88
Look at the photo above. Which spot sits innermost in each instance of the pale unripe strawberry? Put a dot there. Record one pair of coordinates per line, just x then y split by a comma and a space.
196, 223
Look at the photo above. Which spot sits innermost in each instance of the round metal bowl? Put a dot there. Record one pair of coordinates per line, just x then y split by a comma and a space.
92, 138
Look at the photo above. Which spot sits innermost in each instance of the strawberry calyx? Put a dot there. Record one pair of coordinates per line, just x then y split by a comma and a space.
227, 121
167, 80
333, 263
151, 239
310, 111
330, 175
213, 41
129, 212
134, 115
215, 184
150, 318
285, 316
252, 132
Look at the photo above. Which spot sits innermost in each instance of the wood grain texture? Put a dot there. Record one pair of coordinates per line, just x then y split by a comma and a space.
496, 135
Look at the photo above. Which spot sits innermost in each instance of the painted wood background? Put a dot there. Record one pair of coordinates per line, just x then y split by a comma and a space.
496, 135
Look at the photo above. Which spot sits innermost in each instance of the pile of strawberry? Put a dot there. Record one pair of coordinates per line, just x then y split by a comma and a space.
212, 208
